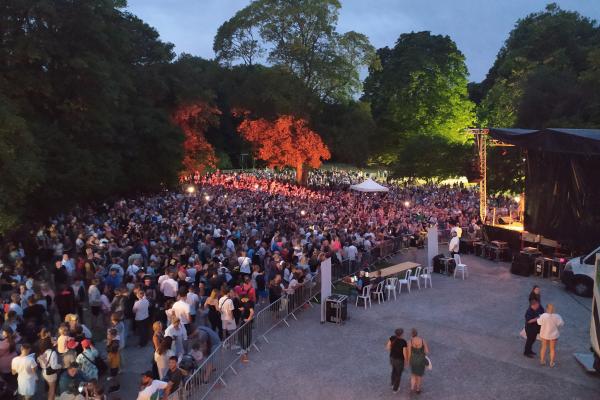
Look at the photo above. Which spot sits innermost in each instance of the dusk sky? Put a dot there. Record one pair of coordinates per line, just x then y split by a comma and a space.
479, 27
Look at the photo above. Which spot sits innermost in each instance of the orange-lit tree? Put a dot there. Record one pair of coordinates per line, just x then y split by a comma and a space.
285, 142
194, 119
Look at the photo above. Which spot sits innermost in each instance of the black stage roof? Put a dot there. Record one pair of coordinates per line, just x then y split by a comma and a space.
555, 140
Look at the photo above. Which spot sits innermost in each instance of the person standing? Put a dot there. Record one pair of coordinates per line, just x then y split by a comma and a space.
141, 309
549, 323
24, 366
531, 326
454, 244
398, 349
535, 294
417, 352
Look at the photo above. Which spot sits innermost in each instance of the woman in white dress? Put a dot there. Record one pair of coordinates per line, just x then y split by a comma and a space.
24, 366
549, 323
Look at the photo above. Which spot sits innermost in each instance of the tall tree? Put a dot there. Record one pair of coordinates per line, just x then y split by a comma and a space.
545, 75
286, 142
301, 36
194, 120
87, 77
420, 90
541, 73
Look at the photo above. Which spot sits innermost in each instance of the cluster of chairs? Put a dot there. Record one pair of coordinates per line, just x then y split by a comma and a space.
393, 285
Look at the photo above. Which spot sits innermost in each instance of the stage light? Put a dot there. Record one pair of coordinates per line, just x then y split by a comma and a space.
303, 213
191, 189
517, 199
407, 204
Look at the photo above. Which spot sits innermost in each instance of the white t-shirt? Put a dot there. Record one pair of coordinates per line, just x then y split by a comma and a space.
147, 392
26, 378
454, 244
140, 308
181, 309
169, 287
549, 324
244, 263
226, 308
351, 252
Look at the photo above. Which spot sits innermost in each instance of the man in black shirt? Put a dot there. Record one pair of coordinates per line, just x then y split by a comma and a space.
531, 326
174, 376
398, 356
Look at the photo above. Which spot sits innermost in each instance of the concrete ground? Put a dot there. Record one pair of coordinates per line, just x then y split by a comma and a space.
472, 329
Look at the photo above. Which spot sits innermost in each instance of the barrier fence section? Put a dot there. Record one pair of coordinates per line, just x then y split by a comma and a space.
210, 373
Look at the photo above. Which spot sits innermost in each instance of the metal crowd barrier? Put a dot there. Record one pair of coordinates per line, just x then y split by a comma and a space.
245, 338
210, 373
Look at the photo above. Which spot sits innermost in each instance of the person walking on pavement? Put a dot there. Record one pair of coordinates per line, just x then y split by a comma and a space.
398, 349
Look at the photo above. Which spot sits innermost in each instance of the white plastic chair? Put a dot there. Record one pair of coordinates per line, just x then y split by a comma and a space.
366, 296
460, 267
391, 285
426, 276
415, 277
378, 292
405, 281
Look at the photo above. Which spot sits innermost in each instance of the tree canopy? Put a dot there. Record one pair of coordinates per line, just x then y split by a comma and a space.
286, 142
420, 90
300, 36
545, 75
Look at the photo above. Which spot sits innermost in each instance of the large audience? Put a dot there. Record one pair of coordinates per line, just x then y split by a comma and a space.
181, 270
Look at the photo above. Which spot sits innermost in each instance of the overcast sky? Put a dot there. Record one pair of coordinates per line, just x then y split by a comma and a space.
479, 27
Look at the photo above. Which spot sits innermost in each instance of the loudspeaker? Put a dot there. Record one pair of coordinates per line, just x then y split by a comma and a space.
523, 265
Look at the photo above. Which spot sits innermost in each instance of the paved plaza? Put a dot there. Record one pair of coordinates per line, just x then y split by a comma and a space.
472, 328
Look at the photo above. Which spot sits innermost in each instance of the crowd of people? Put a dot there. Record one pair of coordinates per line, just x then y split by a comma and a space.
182, 270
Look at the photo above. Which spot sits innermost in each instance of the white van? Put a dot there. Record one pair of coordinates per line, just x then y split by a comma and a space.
579, 272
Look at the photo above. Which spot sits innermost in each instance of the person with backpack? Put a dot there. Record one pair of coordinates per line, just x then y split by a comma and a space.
398, 350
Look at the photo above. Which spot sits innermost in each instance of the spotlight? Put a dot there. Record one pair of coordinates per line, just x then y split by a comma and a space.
190, 189
303, 213
406, 203
207, 197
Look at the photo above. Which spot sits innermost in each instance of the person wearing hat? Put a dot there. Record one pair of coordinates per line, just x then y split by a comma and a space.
86, 360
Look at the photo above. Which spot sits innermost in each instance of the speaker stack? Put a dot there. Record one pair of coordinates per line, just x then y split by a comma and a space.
524, 263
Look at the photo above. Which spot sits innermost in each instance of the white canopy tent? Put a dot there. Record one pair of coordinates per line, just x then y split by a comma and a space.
369, 186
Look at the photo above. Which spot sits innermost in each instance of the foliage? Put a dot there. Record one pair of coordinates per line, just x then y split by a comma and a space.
19, 164
300, 36
545, 75
542, 75
286, 142
194, 120
419, 99
348, 130
89, 99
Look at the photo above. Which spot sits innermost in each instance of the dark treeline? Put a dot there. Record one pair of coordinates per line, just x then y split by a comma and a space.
87, 94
